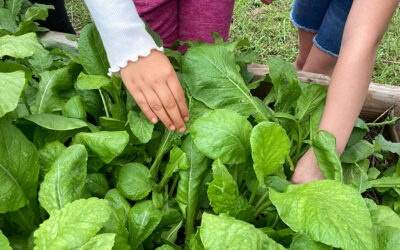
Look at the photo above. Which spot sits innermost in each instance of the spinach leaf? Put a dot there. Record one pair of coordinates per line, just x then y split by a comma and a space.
134, 181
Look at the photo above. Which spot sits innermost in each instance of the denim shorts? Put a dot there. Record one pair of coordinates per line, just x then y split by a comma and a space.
324, 17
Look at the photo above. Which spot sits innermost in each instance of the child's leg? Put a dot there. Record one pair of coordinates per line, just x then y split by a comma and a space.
197, 18
323, 56
307, 15
161, 16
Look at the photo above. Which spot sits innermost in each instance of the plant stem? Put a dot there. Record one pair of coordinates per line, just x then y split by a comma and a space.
171, 191
253, 193
104, 103
289, 160
26, 102
299, 141
261, 200
261, 209
164, 145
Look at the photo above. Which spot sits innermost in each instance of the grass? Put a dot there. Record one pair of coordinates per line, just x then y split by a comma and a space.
271, 33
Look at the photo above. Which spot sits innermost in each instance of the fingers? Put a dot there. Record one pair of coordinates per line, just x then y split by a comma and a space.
158, 108
171, 107
177, 92
143, 105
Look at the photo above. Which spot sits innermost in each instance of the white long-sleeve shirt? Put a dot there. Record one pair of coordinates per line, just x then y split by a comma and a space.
122, 31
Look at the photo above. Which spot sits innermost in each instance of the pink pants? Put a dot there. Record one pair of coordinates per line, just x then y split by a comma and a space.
187, 19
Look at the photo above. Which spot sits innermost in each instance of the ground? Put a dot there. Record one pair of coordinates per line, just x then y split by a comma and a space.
271, 33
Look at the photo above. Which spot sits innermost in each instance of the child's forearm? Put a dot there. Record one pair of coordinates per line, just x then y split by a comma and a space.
365, 27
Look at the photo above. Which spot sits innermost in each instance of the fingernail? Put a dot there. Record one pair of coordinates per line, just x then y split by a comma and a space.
172, 128
186, 118
154, 120
182, 129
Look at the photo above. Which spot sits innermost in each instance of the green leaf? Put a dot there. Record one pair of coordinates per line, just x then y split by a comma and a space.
212, 76
339, 216
97, 184
218, 139
74, 225
221, 232
310, 99
270, 145
324, 145
118, 202
7, 21
21, 46
48, 155
105, 144
52, 88
41, 63
19, 168
357, 152
134, 181
356, 175
140, 126
280, 69
223, 191
14, 6
4, 243
92, 54
64, 182
177, 161
387, 145
38, 12
11, 86
165, 247
386, 182
56, 122
301, 241
75, 108
99, 242
188, 191
387, 226
88, 82
143, 220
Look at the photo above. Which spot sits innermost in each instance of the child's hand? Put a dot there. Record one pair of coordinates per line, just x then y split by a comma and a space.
307, 169
267, 1
156, 89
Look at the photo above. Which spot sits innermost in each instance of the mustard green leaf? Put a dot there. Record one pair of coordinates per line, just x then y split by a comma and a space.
134, 181
11, 86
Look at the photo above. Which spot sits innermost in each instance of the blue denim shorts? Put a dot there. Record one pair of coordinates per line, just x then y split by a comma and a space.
325, 17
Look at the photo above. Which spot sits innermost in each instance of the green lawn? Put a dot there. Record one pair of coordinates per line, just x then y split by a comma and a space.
271, 33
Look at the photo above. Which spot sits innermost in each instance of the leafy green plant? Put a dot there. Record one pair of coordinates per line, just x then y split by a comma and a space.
82, 168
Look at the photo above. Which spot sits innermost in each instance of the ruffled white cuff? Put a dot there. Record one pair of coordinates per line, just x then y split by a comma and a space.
122, 31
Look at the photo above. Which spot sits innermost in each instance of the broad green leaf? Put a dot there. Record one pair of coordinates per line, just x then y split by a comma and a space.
19, 168
41, 63
324, 145
143, 220
99, 242
336, 213
177, 161
188, 191
386, 182
356, 175
97, 184
357, 152
134, 181
52, 87
140, 126
301, 241
7, 21
105, 144
56, 122
21, 46
11, 86
48, 155
359, 131
310, 99
172, 234
92, 55
212, 76
387, 145
88, 82
195, 241
4, 244
388, 237
387, 226
280, 68
221, 232
38, 12
75, 108
219, 139
14, 6
118, 202
269, 145
74, 225
165, 247
223, 192
64, 182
